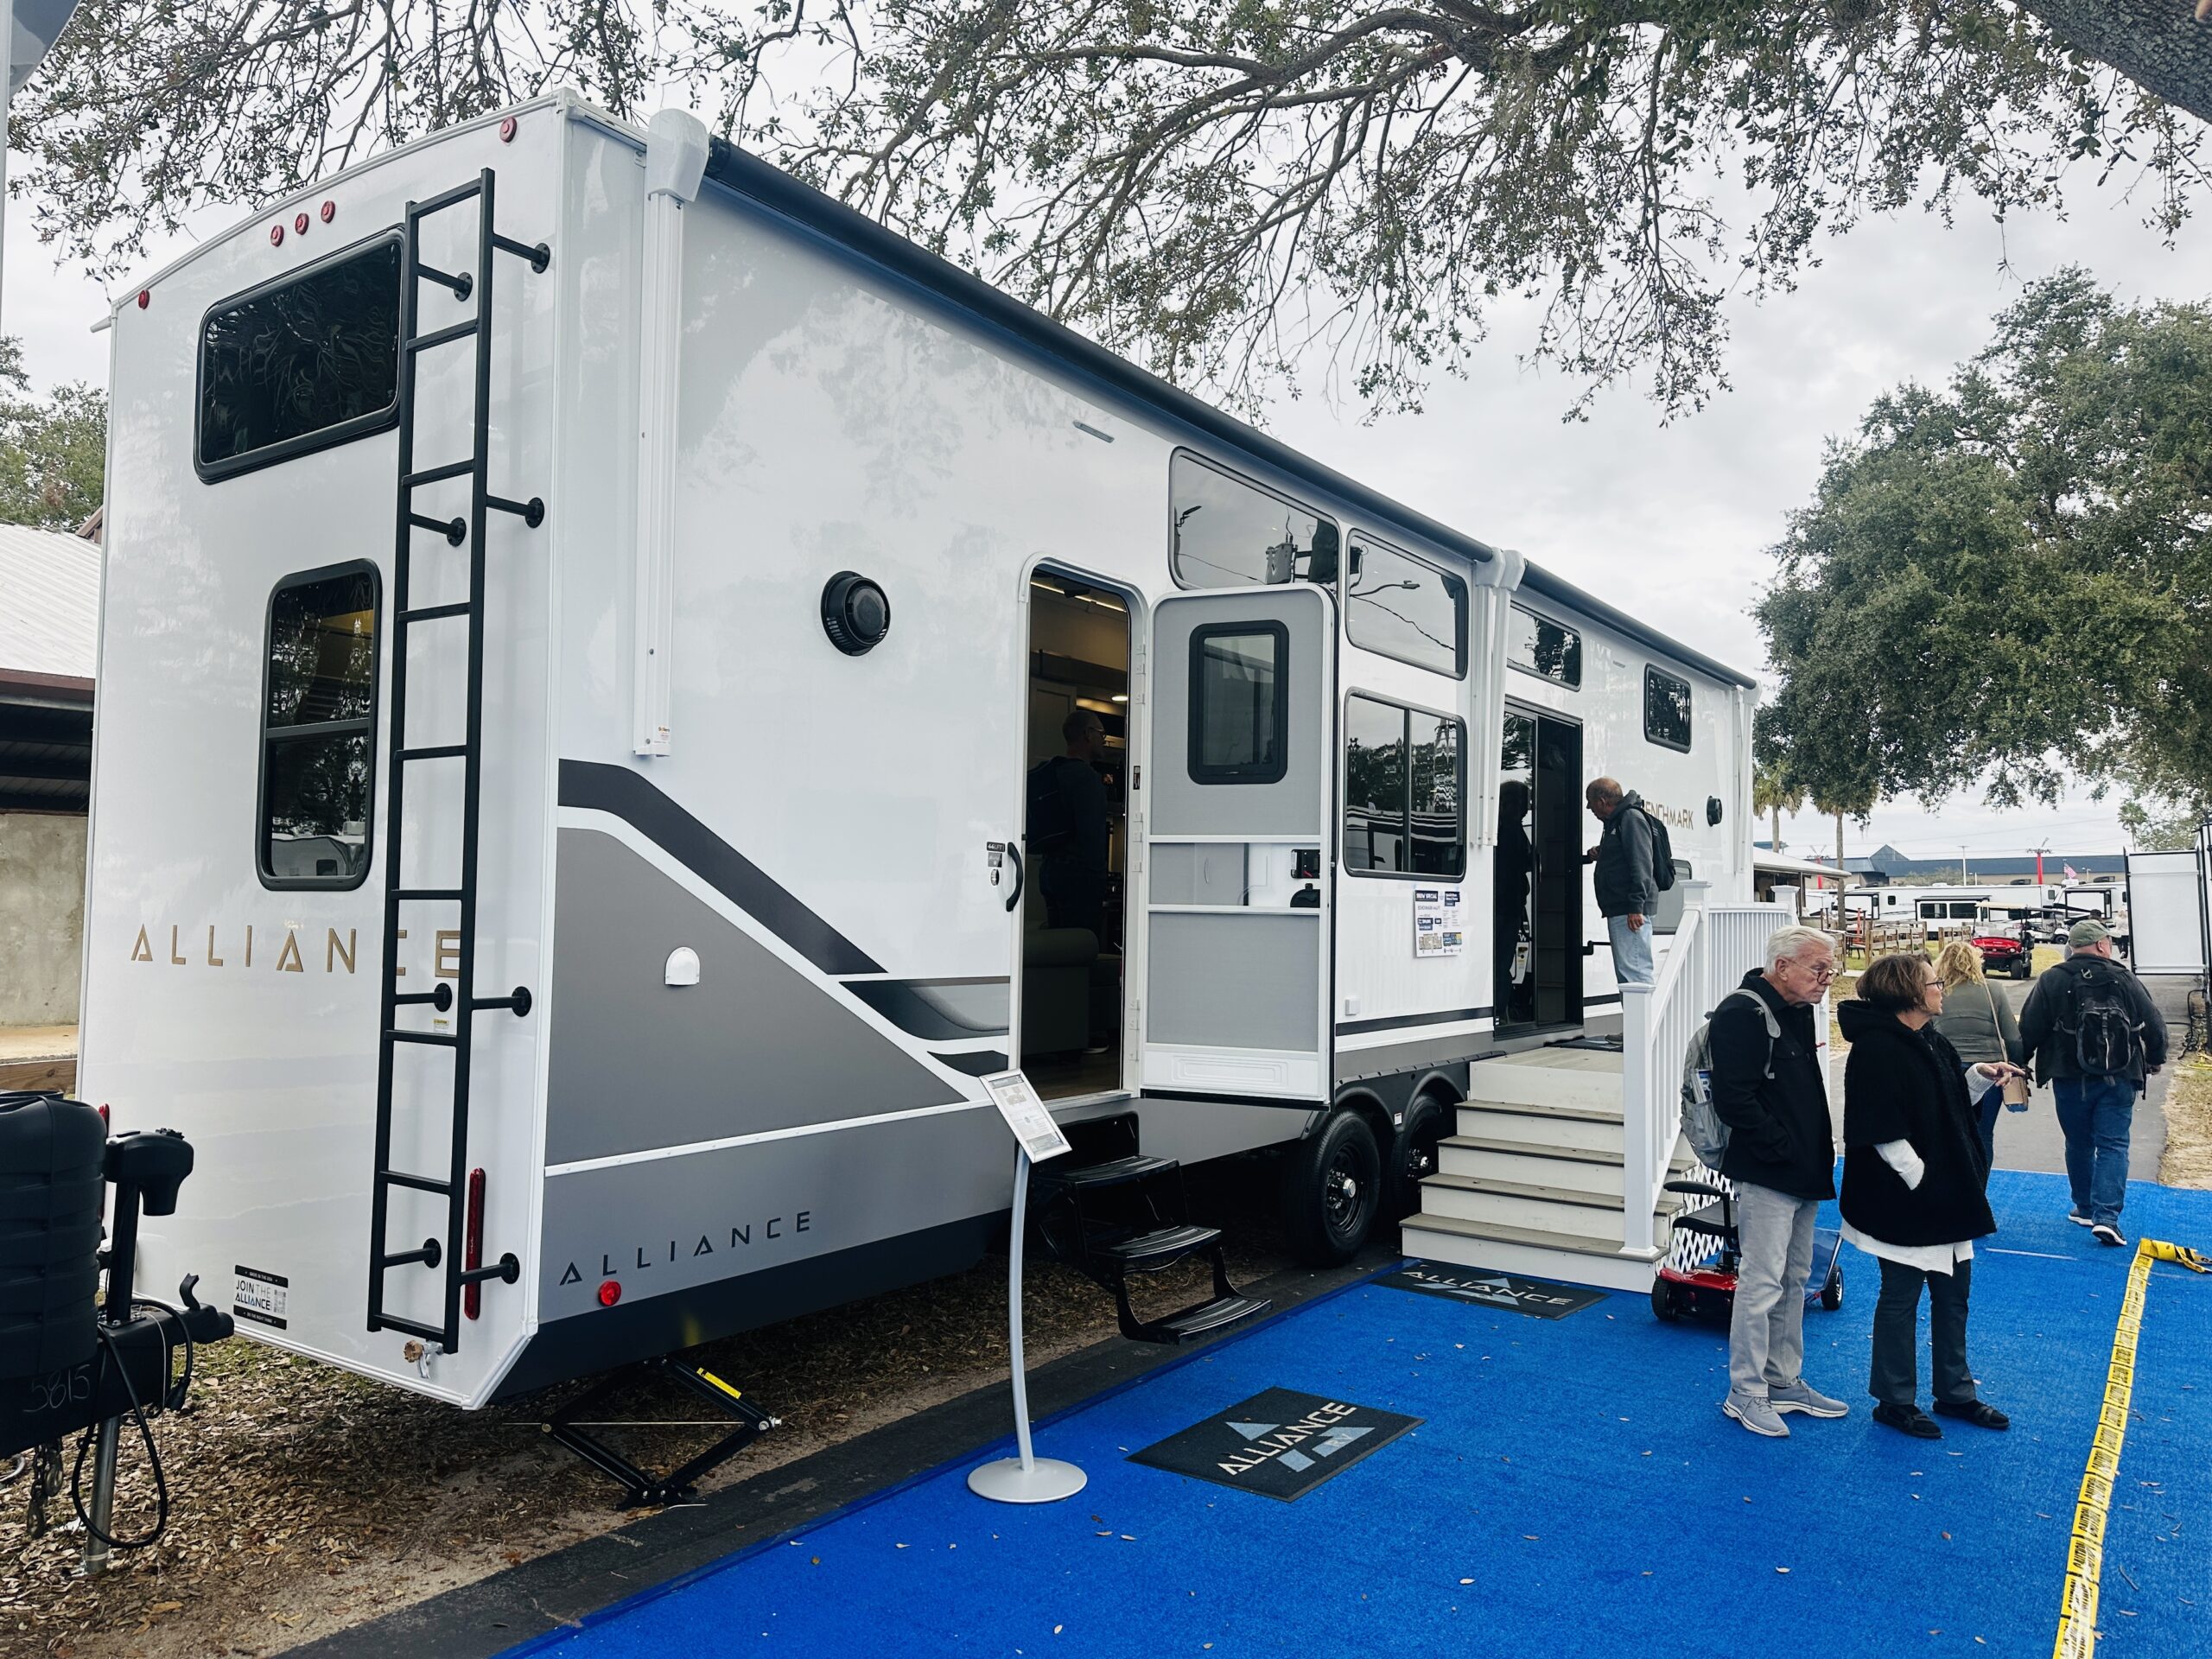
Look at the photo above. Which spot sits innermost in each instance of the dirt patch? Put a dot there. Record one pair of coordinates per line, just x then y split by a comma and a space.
305, 1499
2187, 1161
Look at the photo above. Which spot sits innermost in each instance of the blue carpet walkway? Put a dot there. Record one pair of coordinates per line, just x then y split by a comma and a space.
1573, 1490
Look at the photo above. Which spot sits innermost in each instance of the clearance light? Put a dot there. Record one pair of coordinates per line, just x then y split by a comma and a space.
104, 1118
145, 298
276, 236
507, 130
610, 1293
329, 212
300, 224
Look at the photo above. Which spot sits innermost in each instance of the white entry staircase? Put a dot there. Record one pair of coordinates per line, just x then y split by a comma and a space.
1553, 1140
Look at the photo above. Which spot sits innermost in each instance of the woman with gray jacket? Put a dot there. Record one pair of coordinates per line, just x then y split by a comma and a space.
1978, 1020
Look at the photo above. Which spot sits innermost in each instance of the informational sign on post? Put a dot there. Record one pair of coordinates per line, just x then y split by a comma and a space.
1026, 1115
1438, 931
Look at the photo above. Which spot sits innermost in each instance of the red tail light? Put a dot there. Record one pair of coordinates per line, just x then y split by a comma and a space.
472, 1247
610, 1293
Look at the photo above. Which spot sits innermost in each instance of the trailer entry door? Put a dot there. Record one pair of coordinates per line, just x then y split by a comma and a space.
1238, 856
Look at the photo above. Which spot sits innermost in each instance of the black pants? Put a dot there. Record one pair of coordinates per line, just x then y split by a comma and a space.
1895, 1377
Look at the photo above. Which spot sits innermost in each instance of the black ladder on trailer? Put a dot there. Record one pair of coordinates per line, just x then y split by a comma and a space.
457, 1252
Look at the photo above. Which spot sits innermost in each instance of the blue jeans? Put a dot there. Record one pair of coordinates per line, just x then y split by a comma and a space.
1631, 950
2096, 1114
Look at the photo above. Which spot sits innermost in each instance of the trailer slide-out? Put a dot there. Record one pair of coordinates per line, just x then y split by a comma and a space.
584, 614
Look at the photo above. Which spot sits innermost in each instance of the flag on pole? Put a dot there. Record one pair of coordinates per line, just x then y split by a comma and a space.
2070, 876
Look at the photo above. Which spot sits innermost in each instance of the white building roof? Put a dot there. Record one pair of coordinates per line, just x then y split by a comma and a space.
49, 602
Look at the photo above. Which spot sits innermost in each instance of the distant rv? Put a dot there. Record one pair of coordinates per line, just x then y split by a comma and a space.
1940, 906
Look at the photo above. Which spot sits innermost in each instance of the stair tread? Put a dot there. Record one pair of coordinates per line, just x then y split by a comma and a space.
1178, 1239
1110, 1173
1573, 1114
1563, 1154
1665, 1205
1208, 1316
1572, 1243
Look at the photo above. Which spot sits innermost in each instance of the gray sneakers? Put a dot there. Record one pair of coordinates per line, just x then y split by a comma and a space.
1802, 1396
1758, 1415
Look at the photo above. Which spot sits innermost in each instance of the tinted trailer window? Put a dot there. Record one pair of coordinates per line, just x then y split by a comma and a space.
318, 728
300, 364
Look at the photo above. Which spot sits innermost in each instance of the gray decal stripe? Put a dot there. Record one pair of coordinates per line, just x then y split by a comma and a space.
618, 790
938, 1011
1403, 1021
981, 1063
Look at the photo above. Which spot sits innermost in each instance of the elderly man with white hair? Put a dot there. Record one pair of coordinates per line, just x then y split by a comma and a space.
1767, 1088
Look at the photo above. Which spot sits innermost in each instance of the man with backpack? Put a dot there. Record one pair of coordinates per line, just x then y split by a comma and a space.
1068, 827
2095, 1035
1762, 1066
1636, 863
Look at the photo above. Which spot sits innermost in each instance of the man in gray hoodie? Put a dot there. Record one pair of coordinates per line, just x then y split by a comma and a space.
1627, 891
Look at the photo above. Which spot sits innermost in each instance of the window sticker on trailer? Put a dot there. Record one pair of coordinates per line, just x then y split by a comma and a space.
261, 1297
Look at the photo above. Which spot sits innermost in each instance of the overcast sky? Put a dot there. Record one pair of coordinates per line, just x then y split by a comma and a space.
1671, 523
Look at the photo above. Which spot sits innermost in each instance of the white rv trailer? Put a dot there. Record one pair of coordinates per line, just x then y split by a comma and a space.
559, 787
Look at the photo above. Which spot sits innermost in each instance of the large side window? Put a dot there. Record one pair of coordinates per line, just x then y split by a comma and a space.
1405, 791
318, 729
1405, 607
1240, 703
301, 363
1536, 644
1227, 533
1666, 710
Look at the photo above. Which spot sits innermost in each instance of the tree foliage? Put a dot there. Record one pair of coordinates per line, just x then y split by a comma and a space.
53, 450
2011, 577
1216, 187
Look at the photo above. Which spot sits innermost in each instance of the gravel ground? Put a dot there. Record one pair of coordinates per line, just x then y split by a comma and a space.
305, 1499
2188, 1160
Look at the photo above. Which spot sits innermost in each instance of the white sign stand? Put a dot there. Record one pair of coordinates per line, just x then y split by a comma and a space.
1028, 1479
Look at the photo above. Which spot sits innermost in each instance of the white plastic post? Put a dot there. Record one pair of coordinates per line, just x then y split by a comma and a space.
1028, 1479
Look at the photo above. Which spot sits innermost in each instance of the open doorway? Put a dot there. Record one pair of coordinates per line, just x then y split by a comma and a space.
1536, 925
1076, 837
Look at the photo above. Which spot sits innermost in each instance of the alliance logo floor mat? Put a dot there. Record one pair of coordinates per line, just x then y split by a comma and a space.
1538, 1298
1280, 1443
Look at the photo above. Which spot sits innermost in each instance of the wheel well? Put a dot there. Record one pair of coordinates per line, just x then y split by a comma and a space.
1369, 1106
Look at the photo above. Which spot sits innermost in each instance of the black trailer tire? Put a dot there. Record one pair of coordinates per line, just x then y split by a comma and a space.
1333, 1188
1662, 1302
1427, 1122
1832, 1292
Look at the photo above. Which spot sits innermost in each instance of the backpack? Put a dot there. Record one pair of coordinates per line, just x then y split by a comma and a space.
2107, 1037
1051, 826
1701, 1125
1662, 851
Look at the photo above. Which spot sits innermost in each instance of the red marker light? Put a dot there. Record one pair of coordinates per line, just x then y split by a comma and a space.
276, 236
145, 298
104, 1118
507, 130
300, 222
329, 212
610, 1293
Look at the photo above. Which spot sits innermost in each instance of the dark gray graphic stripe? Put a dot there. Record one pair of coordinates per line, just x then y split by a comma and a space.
981, 1063
621, 791
938, 1010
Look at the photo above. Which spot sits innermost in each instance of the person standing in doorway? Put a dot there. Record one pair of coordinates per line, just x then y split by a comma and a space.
1068, 827
1627, 890
1780, 1154
2096, 1037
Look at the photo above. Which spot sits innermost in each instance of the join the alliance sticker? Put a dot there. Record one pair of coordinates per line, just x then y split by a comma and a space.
1280, 1443
260, 1297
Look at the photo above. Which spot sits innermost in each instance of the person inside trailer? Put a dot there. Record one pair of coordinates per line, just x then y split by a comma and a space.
1068, 817
1513, 863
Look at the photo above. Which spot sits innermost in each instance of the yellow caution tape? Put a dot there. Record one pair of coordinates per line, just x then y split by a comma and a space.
2085, 1549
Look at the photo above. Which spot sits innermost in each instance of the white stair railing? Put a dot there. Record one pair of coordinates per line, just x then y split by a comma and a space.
1711, 951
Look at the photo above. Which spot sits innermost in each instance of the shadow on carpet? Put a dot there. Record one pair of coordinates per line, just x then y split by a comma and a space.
1571, 1489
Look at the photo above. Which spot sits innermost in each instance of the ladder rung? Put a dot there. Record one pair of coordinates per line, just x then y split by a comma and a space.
442, 1038
433, 894
436, 752
444, 336
437, 474
441, 999
432, 612
455, 530
410, 1327
445, 198
420, 1183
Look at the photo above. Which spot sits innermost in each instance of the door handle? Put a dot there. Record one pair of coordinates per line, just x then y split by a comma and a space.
1014, 855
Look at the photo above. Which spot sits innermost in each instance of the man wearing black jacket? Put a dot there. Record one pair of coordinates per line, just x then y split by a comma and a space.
1780, 1154
2096, 1110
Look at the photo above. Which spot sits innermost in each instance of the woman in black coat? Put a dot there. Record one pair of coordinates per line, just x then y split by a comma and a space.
1913, 1175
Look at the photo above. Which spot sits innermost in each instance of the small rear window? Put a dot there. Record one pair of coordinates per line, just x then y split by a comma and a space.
301, 363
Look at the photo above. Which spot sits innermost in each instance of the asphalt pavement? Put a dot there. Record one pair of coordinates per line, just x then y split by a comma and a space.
2031, 1140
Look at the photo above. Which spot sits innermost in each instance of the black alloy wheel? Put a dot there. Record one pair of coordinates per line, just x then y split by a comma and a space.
1427, 1122
1333, 1188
